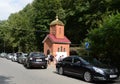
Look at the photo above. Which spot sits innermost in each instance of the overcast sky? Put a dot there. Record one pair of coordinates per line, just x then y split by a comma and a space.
11, 6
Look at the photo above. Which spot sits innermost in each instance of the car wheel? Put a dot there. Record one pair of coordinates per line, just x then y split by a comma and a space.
20, 61
12, 60
57, 70
24, 64
45, 67
87, 76
61, 71
28, 66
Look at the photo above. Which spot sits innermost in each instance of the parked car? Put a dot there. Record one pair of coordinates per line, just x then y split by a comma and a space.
18, 54
3, 55
9, 56
14, 58
36, 59
87, 68
21, 58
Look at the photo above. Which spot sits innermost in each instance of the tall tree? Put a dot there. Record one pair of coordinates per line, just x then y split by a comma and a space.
105, 39
20, 22
44, 12
32, 23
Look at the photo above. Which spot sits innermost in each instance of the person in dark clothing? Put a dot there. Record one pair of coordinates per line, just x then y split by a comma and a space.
51, 58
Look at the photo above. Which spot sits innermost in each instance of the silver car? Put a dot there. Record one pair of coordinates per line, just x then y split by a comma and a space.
14, 58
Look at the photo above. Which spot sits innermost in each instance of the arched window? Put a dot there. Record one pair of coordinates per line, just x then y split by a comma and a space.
48, 52
60, 30
64, 50
61, 48
58, 49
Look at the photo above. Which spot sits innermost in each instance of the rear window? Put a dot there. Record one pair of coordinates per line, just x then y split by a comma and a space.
37, 55
19, 54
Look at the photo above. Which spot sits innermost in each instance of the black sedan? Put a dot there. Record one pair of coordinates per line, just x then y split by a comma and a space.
36, 59
87, 68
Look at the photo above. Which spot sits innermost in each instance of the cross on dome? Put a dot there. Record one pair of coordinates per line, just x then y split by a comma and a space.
56, 22
57, 18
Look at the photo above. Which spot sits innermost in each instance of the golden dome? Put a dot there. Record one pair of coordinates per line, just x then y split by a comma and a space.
56, 22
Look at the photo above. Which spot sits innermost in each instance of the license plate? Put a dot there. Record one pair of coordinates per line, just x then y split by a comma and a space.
113, 76
38, 60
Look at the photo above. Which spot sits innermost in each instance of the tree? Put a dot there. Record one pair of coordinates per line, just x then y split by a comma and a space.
3, 32
23, 39
105, 39
79, 16
82, 15
45, 12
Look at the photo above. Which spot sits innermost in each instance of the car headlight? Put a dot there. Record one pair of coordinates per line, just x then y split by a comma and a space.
31, 58
98, 70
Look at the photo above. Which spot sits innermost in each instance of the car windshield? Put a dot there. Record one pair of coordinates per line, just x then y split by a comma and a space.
19, 54
37, 55
84, 61
92, 61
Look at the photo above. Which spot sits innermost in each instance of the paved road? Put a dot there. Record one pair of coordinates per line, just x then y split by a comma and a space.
15, 73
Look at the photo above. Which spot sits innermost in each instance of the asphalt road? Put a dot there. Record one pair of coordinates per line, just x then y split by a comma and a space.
15, 73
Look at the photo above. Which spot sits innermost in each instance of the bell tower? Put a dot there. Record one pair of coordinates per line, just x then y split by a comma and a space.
57, 28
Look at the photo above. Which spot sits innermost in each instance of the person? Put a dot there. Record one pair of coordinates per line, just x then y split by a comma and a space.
60, 58
55, 59
51, 58
48, 58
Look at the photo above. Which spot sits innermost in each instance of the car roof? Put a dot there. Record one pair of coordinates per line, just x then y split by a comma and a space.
36, 52
75, 56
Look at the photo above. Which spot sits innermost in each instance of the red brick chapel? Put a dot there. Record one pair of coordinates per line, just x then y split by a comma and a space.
56, 43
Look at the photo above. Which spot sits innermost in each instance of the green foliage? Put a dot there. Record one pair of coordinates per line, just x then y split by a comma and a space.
22, 29
105, 39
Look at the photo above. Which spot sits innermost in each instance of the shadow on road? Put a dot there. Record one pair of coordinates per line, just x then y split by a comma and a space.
5, 80
34, 68
70, 76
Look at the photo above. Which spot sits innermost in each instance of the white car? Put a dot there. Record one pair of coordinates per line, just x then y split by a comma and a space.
3, 55
9, 56
14, 58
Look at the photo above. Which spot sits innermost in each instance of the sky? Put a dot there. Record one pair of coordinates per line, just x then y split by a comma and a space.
11, 6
